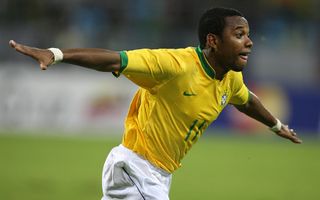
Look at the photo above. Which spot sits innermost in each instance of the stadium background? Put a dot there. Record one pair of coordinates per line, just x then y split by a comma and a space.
66, 106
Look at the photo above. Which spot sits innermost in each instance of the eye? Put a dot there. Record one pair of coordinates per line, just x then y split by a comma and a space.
239, 35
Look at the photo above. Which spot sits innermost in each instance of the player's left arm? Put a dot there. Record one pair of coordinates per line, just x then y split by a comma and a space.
255, 109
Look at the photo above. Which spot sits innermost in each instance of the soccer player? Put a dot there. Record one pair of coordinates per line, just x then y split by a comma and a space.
181, 91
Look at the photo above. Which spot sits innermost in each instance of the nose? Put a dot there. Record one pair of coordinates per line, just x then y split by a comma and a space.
249, 43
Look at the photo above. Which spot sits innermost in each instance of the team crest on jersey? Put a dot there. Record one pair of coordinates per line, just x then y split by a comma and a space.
224, 98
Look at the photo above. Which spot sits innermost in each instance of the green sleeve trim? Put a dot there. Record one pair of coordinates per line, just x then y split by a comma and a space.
123, 63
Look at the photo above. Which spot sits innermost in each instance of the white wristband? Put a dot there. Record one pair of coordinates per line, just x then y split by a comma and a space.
276, 127
58, 55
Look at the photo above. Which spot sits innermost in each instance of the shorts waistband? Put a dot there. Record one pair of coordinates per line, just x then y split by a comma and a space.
129, 151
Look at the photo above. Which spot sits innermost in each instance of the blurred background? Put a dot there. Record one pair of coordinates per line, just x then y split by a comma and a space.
283, 70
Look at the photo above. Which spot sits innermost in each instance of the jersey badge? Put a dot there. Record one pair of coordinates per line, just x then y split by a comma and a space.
224, 98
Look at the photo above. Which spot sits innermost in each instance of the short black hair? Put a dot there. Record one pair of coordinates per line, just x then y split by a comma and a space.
213, 21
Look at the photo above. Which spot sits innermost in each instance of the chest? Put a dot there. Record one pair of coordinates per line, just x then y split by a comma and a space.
197, 97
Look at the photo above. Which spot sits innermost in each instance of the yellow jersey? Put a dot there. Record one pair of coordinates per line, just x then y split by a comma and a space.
177, 99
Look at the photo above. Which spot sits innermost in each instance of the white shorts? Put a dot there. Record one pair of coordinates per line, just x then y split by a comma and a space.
126, 175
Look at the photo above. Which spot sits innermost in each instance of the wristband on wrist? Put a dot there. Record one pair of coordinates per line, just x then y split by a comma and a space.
58, 55
277, 126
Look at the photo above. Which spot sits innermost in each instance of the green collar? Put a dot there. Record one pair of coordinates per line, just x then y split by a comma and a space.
204, 63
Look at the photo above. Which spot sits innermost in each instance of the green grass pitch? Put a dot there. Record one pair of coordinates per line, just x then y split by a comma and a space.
225, 168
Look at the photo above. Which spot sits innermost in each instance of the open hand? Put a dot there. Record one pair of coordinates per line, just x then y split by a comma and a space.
287, 133
43, 56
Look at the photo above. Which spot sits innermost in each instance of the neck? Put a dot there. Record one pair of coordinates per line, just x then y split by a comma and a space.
219, 68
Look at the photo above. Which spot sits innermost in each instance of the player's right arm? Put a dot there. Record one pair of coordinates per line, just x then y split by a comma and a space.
97, 59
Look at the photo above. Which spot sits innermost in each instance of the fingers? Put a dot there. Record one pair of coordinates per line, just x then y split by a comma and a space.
293, 137
21, 48
296, 140
293, 133
289, 134
12, 43
16, 46
43, 56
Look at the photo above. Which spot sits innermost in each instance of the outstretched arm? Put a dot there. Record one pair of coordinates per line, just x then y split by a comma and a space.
256, 110
97, 59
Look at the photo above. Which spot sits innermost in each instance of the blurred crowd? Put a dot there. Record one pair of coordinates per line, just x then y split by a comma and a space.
127, 24
284, 66
142, 22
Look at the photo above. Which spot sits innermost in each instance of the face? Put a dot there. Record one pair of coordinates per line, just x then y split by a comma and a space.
234, 46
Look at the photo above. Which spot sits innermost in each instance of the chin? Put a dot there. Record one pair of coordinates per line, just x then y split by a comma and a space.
237, 68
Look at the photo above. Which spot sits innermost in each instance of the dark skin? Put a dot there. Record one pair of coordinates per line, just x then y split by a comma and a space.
230, 50
224, 53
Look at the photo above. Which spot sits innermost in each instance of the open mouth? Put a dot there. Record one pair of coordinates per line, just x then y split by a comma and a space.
244, 55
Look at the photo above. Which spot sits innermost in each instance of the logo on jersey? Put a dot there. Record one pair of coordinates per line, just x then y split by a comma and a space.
224, 98
188, 94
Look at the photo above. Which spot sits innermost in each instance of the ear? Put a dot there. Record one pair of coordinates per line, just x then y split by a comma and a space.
212, 41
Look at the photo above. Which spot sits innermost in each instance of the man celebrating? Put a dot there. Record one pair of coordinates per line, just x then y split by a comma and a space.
181, 91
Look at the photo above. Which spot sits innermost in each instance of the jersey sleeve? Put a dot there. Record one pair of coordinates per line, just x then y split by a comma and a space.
149, 68
240, 92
